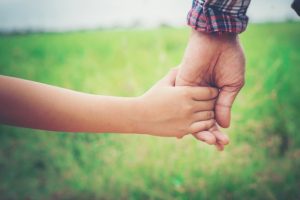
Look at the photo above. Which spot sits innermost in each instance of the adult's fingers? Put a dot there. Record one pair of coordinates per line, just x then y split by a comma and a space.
204, 115
220, 147
205, 136
221, 137
199, 106
223, 106
213, 136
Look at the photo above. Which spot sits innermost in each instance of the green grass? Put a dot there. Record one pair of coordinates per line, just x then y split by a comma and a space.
262, 161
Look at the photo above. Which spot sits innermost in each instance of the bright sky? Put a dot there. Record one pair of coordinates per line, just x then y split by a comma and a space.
59, 15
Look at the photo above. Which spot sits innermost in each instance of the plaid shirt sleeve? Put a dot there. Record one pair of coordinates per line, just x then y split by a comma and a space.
296, 6
219, 16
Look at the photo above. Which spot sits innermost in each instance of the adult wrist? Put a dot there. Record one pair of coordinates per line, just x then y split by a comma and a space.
212, 40
198, 36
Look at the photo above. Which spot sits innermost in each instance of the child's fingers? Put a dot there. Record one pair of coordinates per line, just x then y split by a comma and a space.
221, 137
199, 106
203, 93
204, 115
201, 126
169, 79
205, 136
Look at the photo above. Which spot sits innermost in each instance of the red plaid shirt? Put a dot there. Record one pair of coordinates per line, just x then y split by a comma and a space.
218, 16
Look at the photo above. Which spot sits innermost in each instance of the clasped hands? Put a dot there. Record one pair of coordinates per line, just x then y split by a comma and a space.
194, 99
215, 66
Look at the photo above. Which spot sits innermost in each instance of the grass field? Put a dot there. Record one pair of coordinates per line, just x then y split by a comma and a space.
262, 161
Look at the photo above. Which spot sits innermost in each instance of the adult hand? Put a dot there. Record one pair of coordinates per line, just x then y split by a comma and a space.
218, 61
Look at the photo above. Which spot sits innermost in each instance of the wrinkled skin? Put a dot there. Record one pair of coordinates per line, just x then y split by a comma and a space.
218, 61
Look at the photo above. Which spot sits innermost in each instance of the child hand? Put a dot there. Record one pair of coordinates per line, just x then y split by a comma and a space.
170, 111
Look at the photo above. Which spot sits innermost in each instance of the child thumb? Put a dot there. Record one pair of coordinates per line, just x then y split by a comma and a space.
169, 79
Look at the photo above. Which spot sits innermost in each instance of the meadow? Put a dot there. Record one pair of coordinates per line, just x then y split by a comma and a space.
261, 162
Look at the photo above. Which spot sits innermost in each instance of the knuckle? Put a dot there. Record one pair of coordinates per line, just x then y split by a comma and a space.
212, 92
182, 93
186, 93
190, 107
187, 107
210, 114
206, 126
210, 123
192, 128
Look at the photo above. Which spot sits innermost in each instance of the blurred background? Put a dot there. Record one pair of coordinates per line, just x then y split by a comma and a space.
122, 48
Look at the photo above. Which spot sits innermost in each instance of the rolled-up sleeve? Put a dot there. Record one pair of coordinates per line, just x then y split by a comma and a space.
219, 16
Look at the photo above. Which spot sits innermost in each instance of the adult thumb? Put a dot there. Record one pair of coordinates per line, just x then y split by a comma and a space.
223, 105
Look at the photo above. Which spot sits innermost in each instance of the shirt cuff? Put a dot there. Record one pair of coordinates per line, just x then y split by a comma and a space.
216, 16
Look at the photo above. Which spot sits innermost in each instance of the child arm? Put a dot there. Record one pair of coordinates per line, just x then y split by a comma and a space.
164, 110
41, 106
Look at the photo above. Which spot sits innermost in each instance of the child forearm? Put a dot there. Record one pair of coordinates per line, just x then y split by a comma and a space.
164, 110
35, 105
